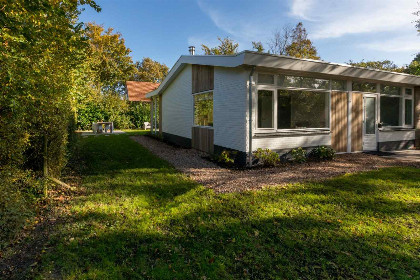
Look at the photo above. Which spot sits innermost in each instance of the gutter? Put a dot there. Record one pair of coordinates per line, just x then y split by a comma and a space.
251, 76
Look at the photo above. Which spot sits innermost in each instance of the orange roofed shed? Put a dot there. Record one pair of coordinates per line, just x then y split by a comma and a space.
136, 91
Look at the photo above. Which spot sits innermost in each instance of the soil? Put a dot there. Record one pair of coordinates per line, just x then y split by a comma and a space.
197, 166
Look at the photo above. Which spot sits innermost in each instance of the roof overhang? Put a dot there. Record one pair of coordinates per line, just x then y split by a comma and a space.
280, 63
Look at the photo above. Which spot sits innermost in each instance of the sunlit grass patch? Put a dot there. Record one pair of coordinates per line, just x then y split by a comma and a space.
139, 218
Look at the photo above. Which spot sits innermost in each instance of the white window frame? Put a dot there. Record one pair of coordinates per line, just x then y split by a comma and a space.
403, 96
193, 103
409, 97
274, 88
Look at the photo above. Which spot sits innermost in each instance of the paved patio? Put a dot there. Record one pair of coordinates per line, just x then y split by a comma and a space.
89, 132
404, 155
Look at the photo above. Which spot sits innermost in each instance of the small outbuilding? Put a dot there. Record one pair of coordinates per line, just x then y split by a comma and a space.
136, 91
254, 100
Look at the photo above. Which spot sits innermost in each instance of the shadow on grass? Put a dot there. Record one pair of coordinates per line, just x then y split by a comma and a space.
141, 219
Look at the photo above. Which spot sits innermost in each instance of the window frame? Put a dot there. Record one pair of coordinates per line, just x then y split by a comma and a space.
274, 88
403, 96
193, 103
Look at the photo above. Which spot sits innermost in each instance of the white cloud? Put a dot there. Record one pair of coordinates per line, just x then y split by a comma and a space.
335, 19
398, 44
300, 8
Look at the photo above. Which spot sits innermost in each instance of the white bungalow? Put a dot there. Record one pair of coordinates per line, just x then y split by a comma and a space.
204, 103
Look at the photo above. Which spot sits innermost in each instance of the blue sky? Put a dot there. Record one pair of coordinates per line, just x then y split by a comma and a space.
341, 30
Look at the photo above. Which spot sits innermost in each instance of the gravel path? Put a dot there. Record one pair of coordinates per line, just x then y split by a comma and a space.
222, 180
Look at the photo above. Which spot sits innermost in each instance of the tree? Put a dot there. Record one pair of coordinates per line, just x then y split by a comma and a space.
258, 46
149, 70
109, 59
226, 47
281, 40
386, 65
414, 67
43, 50
301, 46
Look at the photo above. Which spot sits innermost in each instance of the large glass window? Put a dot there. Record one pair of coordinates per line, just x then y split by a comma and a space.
365, 87
203, 109
302, 109
408, 112
303, 82
265, 109
392, 90
390, 110
266, 79
338, 85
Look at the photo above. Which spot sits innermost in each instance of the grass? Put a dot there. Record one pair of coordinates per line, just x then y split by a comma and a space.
139, 218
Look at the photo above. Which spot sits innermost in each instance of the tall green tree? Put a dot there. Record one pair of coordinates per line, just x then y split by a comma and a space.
149, 70
109, 59
414, 67
43, 49
227, 47
387, 65
301, 46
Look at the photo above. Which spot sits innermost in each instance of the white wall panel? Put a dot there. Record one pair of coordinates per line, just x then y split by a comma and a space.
177, 105
230, 106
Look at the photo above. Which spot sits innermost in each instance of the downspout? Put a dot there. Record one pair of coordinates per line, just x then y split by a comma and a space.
250, 116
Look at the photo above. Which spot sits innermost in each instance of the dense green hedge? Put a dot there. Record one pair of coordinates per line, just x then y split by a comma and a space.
123, 113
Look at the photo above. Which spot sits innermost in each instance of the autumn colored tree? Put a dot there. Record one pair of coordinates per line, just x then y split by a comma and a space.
109, 61
301, 46
149, 70
386, 65
227, 47
258, 46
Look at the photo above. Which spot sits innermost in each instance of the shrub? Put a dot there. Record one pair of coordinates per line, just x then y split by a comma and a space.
322, 153
267, 157
298, 155
226, 158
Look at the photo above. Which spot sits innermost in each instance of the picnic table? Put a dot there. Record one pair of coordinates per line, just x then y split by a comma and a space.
97, 127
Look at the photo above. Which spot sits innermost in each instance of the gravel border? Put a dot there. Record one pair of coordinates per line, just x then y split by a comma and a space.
222, 180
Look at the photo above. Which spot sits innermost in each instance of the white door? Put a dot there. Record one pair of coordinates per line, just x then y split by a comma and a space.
369, 122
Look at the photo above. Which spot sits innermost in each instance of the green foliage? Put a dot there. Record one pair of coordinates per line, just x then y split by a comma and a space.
298, 155
322, 153
301, 46
386, 65
123, 113
20, 190
138, 112
414, 67
140, 218
109, 60
267, 157
149, 70
227, 47
43, 52
226, 158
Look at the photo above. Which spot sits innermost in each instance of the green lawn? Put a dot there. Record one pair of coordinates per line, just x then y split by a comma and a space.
139, 218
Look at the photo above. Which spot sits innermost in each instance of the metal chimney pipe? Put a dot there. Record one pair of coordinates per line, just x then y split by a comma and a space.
191, 50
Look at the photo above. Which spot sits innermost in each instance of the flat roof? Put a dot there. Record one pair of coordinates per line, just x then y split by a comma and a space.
272, 62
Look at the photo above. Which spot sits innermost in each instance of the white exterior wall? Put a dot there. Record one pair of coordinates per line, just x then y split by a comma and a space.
388, 136
230, 108
291, 142
177, 105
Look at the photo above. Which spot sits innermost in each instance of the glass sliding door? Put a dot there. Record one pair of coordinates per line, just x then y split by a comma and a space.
369, 137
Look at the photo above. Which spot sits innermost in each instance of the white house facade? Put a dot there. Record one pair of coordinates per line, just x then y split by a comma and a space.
253, 100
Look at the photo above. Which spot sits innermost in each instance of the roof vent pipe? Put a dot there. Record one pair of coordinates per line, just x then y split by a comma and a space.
191, 50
